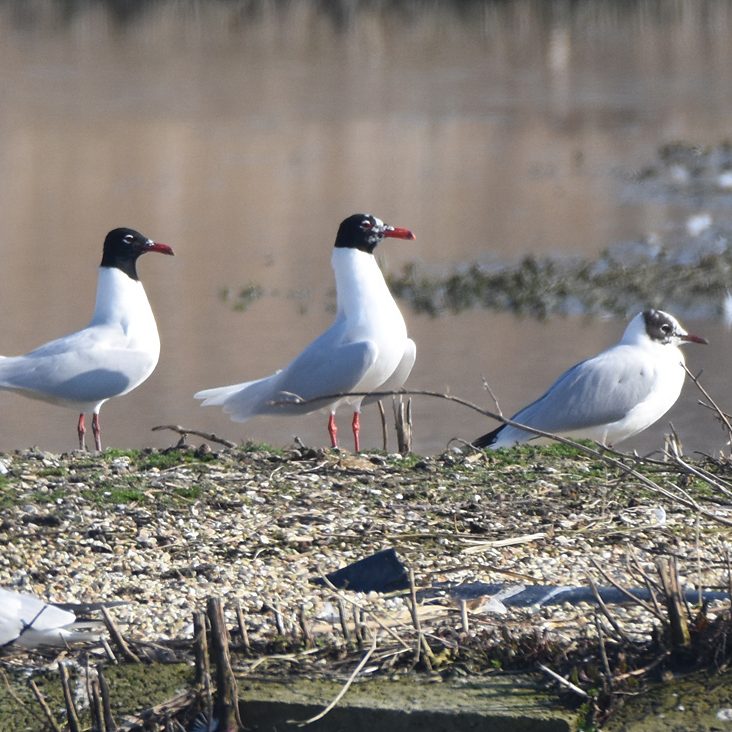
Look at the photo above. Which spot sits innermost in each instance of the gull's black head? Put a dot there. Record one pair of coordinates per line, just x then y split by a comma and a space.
364, 232
664, 328
123, 246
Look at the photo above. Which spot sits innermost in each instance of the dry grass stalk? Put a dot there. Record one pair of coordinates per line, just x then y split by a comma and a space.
279, 620
106, 699
651, 585
675, 493
226, 708
343, 691
677, 623
565, 682
723, 418
358, 629
415, 620
384, 430
72, 716
243, 632
403, 423
344, 622
656, 611
464, 616
184, 432
607, 678
108, 651
44, 707
620, 633
484, 546
341, 598
164, 710
96, 708
703, 475
202, 660
116, 636
10, 689
307, 636
645, 669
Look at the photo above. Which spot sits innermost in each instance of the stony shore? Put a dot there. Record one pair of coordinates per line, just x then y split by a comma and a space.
164, 530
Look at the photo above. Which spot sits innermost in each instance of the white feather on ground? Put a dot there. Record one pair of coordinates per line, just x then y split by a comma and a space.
30, 622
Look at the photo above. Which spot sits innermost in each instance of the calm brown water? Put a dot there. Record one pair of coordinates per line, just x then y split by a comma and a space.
242, 138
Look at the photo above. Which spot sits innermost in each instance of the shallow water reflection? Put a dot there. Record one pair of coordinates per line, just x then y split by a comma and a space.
242, 133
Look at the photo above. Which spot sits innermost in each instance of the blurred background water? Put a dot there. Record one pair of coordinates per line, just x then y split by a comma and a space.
242, 133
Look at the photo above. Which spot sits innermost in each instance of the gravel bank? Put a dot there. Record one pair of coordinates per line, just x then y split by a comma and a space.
164, 530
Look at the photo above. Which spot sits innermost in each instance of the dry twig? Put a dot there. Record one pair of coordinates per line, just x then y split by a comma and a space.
116, 636
184, 432
563, 681
345, 688
72, 715
44, 706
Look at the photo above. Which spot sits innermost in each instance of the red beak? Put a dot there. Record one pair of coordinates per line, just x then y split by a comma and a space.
689, 338
396, 232
161, 248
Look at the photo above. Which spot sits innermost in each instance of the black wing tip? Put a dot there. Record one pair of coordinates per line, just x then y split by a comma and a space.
487, 439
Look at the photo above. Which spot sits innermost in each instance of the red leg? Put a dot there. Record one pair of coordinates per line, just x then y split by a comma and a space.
97, 430
356, 424
81, 431
333, 431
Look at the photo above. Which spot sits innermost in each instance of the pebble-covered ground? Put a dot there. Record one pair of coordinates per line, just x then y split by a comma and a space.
162, 531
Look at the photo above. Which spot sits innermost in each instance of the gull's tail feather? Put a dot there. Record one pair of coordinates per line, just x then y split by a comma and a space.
489, 439
242, 401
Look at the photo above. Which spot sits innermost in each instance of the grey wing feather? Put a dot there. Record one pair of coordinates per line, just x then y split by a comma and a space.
76, 367
314, 374
598, 391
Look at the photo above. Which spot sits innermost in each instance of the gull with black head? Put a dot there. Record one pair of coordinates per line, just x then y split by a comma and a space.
115, 353
614, 395
365, 349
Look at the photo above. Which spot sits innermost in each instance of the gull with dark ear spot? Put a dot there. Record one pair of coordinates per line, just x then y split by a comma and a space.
115, 353
614, 395
365, 349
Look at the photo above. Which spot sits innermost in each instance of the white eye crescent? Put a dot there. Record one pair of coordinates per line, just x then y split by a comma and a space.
128, 239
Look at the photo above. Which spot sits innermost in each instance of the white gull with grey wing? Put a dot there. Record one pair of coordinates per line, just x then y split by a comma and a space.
614, 395
365, 349
115, 353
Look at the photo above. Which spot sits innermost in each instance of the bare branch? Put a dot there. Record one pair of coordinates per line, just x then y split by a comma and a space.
184, 432
488, 388
563, 681
723, 418
345, 688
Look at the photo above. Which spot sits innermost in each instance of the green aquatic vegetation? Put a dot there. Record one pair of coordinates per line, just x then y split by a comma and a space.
543, 286
241, 299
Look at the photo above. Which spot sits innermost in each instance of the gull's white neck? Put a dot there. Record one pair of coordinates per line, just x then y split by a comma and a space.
122, 302
360, 285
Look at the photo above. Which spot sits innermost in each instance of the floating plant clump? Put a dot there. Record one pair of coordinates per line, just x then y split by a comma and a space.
691, 279
688, 272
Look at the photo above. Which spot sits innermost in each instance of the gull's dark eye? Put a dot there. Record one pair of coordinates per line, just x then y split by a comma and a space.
367, 225
128, 239
666, 328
